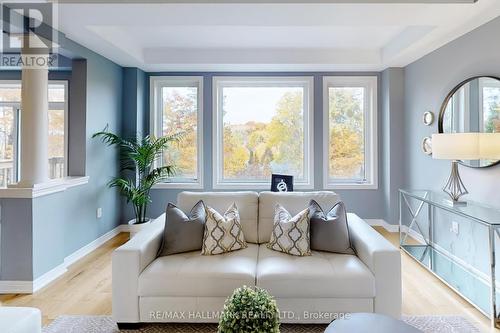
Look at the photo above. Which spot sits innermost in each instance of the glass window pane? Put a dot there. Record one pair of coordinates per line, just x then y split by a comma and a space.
10, 92
56, 149
56, 92
7, 132
263, 132
346, 123
491, 109
180, 114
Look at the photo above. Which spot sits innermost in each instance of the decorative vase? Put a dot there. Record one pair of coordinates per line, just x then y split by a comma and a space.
136, 227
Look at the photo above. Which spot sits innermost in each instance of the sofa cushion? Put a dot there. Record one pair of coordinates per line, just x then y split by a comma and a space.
247, 203
294, 202
323, 275
191, 274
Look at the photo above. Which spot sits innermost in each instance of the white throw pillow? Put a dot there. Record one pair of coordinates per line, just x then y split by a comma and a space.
223, 233
290, 234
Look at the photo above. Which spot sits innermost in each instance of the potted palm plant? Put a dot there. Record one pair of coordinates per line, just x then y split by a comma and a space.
138, 173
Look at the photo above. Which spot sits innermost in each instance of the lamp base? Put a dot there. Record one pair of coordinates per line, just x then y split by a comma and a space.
455, 187
453, 203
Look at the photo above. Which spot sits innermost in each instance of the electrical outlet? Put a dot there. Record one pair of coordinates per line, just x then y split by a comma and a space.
99, 212
454, 227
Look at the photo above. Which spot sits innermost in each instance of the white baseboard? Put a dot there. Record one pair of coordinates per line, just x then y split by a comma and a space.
29, 287
384, 224
413, 234
48, 277
82, 252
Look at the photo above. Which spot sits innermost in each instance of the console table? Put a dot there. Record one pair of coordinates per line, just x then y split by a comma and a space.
429, 231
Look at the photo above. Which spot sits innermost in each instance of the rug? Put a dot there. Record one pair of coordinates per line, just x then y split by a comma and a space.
105, 324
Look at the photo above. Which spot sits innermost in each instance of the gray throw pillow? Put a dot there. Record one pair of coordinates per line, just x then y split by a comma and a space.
183, 233
329, 231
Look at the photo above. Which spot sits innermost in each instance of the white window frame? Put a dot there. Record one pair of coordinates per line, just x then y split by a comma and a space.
219, 82
493, 83
52, 105
156, 83
371, 139
58, 105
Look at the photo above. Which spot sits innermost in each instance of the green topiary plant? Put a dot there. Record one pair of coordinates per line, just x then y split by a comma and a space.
251, 311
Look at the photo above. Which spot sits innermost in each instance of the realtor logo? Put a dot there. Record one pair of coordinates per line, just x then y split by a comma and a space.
29, 38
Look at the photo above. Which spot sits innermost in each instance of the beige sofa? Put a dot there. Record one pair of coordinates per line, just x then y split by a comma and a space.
190, 287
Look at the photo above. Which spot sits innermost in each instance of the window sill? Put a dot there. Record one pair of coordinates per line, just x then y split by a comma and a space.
40, 190
257, 186
351, 186
180, 186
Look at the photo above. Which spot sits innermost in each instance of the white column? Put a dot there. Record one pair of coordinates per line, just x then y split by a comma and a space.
34, 126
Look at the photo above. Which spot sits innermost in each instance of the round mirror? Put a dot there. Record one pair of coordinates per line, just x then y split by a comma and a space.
472, 106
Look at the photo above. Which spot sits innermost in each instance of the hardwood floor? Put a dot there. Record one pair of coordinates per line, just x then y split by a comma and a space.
86, 290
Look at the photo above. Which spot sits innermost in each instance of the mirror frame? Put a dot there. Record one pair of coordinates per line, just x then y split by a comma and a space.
442, 110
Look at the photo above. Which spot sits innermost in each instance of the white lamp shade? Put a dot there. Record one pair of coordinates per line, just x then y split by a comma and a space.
466, 146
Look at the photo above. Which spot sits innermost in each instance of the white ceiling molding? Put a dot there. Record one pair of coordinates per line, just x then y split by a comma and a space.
192, 36
272, 1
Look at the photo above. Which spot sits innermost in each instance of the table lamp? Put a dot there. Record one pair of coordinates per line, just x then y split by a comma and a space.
463, 146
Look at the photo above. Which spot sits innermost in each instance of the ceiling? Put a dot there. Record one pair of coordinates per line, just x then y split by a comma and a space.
286, 36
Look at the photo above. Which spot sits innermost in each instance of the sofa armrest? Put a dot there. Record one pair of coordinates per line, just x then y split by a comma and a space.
383, 259
128, 261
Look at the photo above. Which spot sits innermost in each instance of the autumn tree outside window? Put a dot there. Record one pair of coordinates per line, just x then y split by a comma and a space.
262, 125
350, 132
177, 106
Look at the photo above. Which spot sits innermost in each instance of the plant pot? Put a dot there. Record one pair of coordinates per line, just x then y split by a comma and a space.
136, 227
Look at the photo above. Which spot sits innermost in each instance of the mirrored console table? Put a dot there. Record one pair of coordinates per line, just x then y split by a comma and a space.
455, 243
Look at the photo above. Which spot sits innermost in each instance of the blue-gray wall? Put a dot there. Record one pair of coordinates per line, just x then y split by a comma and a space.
392, 136
37, 234
66, 221
367, 203
427, 82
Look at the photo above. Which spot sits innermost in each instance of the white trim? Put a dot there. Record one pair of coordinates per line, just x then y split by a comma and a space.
384, 224
65, 106
307, 83
29, 287
85, 250
40, 190
178, 185
395, 228
413, 234
155, 123
371, 139
48, 277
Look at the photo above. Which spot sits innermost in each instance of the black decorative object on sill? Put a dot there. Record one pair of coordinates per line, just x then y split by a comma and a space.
281, 183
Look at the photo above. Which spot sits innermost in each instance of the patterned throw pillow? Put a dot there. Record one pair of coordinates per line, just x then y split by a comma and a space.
290, 234
223, 233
